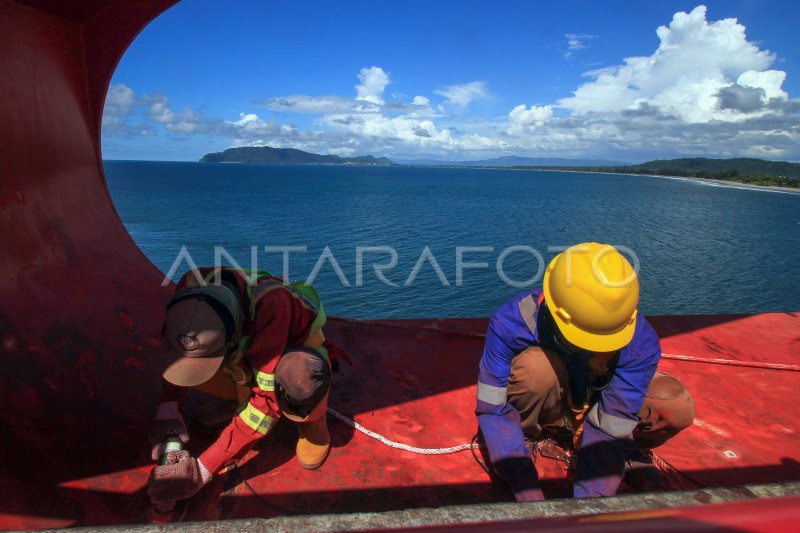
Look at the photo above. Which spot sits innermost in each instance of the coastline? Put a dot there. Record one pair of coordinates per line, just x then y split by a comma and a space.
704, 181
730, 184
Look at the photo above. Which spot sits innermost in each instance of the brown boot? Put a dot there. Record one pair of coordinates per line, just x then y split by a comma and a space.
314, 443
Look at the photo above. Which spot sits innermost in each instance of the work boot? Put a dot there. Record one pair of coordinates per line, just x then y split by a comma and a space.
314, 442
303, 378
641, 475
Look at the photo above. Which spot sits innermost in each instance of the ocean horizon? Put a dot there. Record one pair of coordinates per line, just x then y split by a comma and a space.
456, 241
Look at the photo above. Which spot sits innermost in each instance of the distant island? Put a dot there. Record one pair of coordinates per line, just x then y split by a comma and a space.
267, 154
748, 171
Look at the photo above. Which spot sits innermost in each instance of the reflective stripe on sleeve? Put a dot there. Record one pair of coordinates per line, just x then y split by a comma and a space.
491, 394
617, 427
527, 309
266, 382
257, 420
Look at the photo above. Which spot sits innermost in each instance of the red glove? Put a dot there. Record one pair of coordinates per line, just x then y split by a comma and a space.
182, 477
169, 421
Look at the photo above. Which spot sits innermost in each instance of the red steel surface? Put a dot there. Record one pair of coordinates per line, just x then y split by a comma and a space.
81, 309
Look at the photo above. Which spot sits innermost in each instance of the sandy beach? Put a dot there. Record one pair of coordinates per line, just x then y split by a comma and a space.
704, 181
731, 184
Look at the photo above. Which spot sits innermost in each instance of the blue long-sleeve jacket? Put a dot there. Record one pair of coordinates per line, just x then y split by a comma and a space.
607, 436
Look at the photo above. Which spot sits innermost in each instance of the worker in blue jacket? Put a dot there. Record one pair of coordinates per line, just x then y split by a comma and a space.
577, 357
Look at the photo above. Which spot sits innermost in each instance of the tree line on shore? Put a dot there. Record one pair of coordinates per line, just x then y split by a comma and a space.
749, 171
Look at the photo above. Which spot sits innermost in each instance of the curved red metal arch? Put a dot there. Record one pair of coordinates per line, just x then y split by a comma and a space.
80, 305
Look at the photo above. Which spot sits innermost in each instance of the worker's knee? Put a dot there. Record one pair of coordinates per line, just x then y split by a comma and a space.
302, 380
669, 400
534, 371
665, 387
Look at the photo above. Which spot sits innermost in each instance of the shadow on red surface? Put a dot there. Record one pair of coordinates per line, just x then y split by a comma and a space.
49, 506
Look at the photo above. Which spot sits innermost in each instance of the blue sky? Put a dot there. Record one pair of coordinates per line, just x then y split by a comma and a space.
456, 80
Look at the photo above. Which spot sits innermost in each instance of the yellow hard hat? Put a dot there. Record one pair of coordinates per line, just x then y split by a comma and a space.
592, 292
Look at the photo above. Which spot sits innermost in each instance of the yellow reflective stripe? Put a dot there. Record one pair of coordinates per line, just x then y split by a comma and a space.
257, 420
265, 381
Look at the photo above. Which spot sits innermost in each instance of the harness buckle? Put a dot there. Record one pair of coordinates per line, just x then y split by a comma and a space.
550, 448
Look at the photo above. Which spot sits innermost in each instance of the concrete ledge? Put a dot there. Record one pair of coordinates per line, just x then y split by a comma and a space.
466, 514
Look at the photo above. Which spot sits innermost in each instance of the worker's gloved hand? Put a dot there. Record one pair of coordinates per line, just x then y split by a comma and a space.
182, 477
168, 421
521, 476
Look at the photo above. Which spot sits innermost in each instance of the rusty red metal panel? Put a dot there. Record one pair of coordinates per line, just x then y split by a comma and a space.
74, 10
80, 305
766, 338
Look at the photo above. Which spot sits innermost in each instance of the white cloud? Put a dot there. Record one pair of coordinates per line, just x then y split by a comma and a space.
373, 81
694, 61
770, 81
251, 125
185, 122
368, 100
705, 90
389, 132
521, 118
156, 109
576, 42
247, 120
463, 95
160, 110
119, 100
310, 104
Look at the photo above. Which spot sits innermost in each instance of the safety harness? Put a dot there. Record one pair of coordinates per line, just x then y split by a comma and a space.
234, 364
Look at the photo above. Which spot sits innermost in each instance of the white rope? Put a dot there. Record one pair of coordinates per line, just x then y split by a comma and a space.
400, 445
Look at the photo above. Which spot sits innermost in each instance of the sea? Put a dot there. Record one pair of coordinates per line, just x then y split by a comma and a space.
422, 242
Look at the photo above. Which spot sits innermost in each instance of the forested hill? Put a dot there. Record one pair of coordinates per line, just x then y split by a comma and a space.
741, 165
741, 170
267, 154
